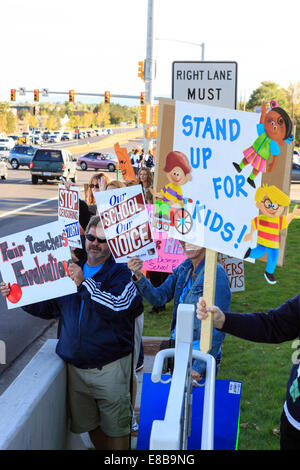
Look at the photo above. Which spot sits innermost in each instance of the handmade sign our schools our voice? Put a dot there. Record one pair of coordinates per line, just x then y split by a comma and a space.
218, 201
68, 212
34, 263
125, 223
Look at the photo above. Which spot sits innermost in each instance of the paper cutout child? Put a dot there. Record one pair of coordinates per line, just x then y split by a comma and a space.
271, 202
274, 129
178, 172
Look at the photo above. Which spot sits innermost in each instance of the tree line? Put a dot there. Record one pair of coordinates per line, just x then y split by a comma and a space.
104, 115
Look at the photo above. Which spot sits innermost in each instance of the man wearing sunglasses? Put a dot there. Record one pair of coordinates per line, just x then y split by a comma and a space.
96, 341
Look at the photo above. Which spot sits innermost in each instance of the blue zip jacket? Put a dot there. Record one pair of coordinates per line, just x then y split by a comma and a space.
173, 288
281, 324
103, 332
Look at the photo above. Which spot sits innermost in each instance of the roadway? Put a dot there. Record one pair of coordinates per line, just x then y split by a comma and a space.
24, 206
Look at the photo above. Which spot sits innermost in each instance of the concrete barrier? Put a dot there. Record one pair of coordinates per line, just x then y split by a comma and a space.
33, 409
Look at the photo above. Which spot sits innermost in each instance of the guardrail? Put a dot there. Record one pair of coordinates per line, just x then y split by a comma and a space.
172, 433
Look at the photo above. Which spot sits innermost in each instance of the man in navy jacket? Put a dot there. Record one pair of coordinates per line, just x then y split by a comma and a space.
96, 341
281, 324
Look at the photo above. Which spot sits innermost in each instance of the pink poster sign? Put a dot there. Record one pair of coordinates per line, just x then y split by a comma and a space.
169, 250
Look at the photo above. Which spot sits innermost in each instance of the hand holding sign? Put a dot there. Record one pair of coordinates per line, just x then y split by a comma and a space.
4, 289
135, 265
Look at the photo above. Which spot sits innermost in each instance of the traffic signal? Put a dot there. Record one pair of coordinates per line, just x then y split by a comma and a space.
145, 114
155, 115
141, 70
107, 97
142, 98
13, 95
71, 96
36, 95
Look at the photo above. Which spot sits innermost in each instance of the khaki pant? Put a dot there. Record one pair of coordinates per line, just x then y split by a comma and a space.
101, 397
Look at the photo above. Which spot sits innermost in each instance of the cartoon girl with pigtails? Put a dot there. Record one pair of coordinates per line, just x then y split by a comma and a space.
274, 128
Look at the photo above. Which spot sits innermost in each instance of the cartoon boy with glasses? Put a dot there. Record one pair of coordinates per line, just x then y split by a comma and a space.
271, 202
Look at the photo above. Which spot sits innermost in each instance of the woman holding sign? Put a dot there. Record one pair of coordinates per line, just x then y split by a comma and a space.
185, 285
98, 182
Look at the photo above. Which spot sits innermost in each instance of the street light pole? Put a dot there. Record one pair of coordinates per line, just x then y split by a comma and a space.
149, 70
202, 45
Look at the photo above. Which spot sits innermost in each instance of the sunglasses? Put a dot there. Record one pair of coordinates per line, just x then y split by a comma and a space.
96, 186
91, 238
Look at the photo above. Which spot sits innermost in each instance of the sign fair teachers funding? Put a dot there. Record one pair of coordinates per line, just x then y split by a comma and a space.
220, 201
35, 264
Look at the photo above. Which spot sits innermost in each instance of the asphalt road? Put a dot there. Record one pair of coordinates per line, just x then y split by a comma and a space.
23, 206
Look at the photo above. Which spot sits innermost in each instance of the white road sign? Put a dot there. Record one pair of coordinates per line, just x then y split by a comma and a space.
209, 83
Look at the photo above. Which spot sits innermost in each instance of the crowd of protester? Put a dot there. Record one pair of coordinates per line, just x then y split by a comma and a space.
108, 309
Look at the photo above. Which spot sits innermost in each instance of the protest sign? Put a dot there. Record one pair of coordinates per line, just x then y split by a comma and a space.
218, 202
125, 163
35, 264
68, 213
169, 251
125, 222
211, 197
234, 268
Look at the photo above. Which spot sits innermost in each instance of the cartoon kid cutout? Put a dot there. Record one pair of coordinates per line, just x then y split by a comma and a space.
274, 128
178, 172
271, 202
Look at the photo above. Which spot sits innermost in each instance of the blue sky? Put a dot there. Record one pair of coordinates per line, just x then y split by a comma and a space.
96, 45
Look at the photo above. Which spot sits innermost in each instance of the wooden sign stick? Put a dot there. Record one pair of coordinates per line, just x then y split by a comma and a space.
209, 297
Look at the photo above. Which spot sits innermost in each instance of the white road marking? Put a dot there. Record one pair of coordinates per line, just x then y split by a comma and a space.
5, 214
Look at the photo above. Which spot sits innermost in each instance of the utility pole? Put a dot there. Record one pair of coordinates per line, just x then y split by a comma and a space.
149, 70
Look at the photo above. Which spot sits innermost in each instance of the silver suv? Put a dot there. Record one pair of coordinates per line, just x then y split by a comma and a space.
21, 155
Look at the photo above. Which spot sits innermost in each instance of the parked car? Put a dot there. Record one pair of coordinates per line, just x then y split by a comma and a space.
7, 142
4, 152
67, 135
58, 135
37, 139
51, 164
3, 169
45, 135
53, 138
13, 137
296, 157
97, 160
295, 172
21, 155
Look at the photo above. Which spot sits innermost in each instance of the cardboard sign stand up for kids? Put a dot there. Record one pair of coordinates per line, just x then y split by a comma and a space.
229, 202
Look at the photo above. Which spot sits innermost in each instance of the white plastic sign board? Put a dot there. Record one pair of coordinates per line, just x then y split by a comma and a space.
210, 83
35, 264
220, 201
68, 213
125, 222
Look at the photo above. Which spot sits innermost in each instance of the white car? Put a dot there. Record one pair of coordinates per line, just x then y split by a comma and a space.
3, 169
296, 157
7, 142
4, 152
